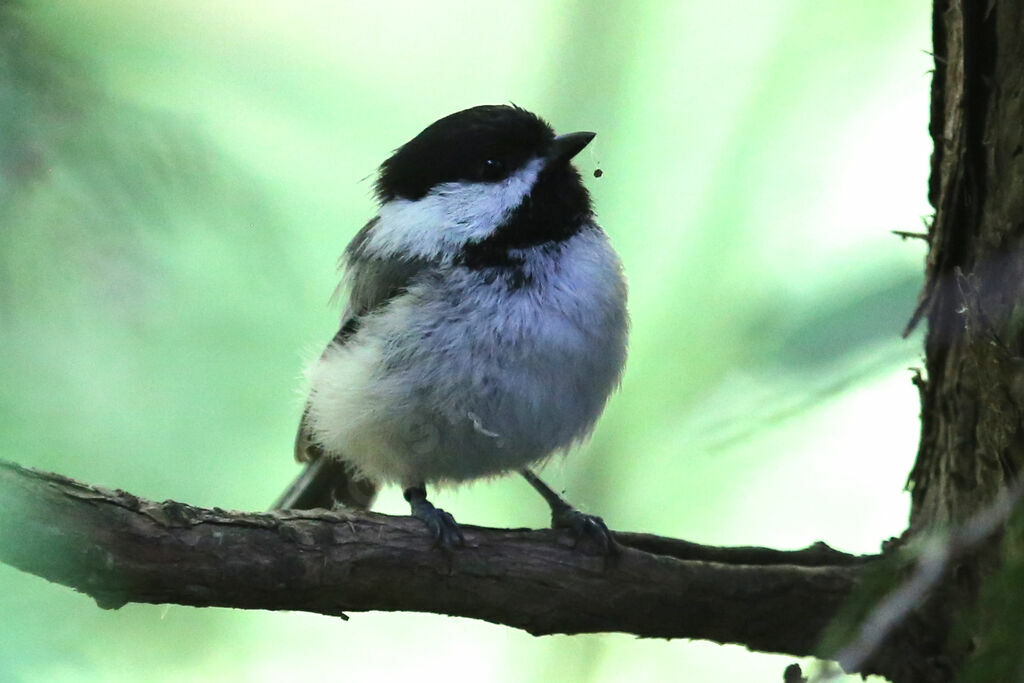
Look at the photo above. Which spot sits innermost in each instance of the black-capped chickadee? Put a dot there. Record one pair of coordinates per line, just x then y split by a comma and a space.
485, 325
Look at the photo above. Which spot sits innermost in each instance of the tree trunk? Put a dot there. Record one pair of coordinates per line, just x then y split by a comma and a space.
972, 435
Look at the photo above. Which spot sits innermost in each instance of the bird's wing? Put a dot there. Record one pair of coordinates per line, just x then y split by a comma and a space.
370, 282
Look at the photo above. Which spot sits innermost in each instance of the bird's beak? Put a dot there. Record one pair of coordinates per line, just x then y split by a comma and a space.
565, 147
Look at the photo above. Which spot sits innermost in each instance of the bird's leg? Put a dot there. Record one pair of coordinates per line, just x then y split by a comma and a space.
442, 525
565, 516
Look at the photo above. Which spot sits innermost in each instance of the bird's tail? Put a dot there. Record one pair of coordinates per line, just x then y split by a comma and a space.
323, 483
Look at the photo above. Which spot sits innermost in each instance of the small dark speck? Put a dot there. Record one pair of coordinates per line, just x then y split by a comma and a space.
598, 173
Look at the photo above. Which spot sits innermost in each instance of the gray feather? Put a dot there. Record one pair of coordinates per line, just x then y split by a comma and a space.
372, 283
323, 483
373, 280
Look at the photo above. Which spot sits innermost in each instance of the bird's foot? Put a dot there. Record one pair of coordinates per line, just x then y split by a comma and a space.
580, 525
442, 525
583, 526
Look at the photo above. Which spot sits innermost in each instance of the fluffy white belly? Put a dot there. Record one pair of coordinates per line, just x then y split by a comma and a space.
466, 376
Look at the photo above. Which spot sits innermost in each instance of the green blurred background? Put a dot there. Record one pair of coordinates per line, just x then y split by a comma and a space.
177, 180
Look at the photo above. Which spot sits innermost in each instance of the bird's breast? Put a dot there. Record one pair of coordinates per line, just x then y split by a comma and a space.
532, 352
496, 371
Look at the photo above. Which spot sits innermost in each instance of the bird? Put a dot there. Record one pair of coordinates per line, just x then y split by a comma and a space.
484, 326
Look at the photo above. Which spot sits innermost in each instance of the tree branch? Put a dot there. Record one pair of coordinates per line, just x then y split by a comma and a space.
119, 548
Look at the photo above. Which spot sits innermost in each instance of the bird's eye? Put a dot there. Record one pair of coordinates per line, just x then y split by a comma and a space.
492, 169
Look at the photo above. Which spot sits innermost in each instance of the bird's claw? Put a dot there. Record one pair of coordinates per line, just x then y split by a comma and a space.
581, 525
443, 527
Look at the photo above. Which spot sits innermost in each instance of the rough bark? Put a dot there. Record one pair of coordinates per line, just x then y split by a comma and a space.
972, 433
972, 444
118, 548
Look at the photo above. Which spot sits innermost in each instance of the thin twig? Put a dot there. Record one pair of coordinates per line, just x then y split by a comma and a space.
912, 235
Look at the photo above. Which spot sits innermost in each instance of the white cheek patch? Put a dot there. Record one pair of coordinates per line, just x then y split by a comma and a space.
449, 216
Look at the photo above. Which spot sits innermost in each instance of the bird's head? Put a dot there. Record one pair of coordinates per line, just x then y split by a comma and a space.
493, 175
